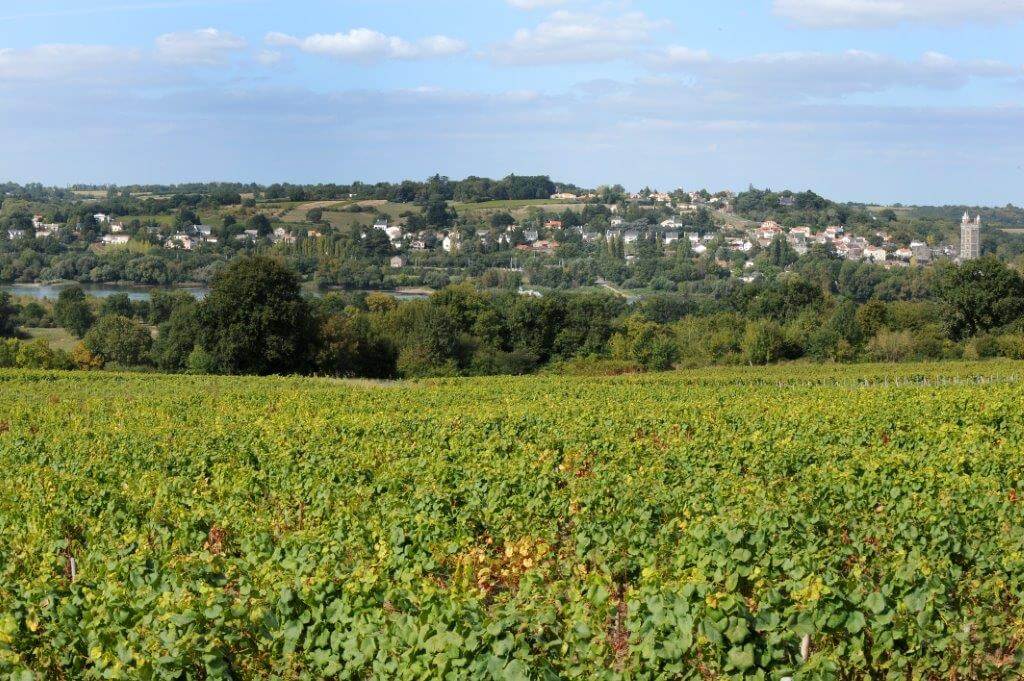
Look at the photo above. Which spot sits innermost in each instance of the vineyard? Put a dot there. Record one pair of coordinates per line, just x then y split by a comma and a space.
808, 522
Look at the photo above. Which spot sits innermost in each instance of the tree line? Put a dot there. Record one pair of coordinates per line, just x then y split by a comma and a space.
255, 320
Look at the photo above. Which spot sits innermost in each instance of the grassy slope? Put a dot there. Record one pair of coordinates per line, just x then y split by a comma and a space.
58, 338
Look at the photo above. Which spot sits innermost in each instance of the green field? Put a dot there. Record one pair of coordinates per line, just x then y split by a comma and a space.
58, 338
340, 219
517, 206
813, 521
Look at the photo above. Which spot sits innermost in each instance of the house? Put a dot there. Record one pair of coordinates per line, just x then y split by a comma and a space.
553, 224
397, 262
591, 237
115, 239
46, 228
248, 235
282, 235
631, 236
693, 237
116, 227
531, 235
16, 233
612, 234
181, 240
661, 197
564, 196
313, 233
616, 222
787, 201
204, 231
101, 218
545, 246
670, 237
381, 223
700, 249
804, 232
451, 243
903, 253
834, 231
394, 233
768, 230
922, 252
875, 254
671, 223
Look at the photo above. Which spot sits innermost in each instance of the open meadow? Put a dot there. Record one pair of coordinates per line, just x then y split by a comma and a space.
815, 522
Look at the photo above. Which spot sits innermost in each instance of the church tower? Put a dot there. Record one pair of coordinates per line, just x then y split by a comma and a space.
970, 238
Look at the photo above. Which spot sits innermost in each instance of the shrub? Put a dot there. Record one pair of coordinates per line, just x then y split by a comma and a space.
1011, 345
983, 347
891, 346
763, 342
119, 339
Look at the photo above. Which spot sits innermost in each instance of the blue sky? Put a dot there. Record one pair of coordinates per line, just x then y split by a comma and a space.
918, 101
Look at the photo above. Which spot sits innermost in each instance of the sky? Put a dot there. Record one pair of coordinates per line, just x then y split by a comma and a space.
912, 101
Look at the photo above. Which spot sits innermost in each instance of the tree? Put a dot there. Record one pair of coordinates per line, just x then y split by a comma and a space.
437, 212
980, 295
117, 304
502, 219
349, 346
779, 253
72, 311
254, 321
261, 223
763, 342
650, 344
315, 215
8, 316
116, 338
872, 316
164, 301
184, 219
176, 338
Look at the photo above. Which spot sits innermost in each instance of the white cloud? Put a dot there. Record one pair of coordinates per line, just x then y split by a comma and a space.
875, 13
269, 57
363, 44
207, 46
535, 4
567, 36
66, 62
821, 74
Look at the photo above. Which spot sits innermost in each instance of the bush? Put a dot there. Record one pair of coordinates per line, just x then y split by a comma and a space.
1011, 345
489, 362
647, 343
72, 311
595, 366
119, 339
763, 342
84, 359
201, 362
39, 355
983, 347
891, 346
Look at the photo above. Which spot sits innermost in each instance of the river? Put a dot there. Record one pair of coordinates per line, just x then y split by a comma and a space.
51, 291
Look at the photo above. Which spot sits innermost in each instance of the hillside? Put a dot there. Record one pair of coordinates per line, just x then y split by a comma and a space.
682, 524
